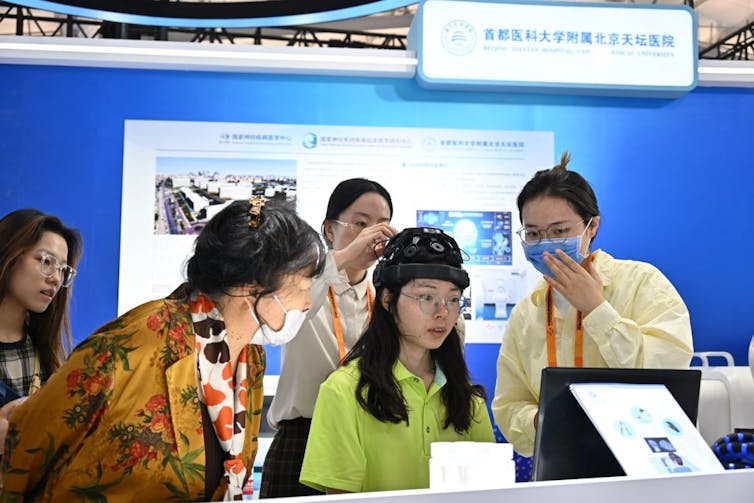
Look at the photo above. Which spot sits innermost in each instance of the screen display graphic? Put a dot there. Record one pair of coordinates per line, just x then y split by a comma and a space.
485, 236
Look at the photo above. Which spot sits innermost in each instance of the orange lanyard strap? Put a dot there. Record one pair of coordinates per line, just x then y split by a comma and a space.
578, 353
338, 323
578, 350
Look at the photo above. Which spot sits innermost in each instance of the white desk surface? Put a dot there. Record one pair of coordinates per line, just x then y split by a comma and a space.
733, 485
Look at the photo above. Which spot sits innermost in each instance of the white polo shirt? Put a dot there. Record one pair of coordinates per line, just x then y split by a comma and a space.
312, 355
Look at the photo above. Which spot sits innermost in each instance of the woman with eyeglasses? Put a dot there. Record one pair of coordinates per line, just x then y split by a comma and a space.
356, 227
589, 310
38, 256
405, 383
164, 402
37, 259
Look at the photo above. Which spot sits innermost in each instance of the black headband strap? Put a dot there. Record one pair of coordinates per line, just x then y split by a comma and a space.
399, 273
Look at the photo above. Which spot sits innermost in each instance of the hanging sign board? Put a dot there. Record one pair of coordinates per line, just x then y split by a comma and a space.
584, 48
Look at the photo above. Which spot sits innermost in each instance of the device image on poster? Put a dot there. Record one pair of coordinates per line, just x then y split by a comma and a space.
496, 290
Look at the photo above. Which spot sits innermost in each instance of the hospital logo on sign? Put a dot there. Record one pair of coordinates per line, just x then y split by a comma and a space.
458, 37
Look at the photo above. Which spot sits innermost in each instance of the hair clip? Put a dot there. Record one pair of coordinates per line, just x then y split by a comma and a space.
256, 203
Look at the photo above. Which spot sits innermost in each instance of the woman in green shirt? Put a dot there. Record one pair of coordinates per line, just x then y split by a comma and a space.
405, 383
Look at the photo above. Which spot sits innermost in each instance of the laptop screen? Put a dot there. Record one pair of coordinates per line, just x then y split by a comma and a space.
567, 445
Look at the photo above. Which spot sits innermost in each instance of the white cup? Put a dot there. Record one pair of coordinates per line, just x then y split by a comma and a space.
471, 465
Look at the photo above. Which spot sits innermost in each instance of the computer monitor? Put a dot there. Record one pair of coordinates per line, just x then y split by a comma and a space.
567, 445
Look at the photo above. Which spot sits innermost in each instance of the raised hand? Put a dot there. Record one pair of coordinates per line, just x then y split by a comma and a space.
366, 247
581, 286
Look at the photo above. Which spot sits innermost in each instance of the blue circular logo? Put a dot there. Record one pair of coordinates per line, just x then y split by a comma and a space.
458, 37
310, 140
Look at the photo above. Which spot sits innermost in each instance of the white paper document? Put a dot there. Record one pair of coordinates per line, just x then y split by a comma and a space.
646, 429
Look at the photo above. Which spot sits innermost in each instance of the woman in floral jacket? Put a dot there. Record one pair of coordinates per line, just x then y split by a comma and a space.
143, 409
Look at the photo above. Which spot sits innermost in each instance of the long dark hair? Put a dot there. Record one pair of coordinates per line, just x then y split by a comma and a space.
50, 331
231, 252
378, 349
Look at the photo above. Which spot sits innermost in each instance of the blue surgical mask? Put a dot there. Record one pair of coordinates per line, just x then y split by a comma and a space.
535, 253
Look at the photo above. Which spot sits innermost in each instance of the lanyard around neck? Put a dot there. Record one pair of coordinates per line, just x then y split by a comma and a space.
578, 350
338, 323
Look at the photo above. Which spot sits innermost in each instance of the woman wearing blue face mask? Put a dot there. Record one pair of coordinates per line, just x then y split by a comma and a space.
590, 310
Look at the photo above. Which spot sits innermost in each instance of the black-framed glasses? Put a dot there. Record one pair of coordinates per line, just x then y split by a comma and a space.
49, 265
556, 233
429, 303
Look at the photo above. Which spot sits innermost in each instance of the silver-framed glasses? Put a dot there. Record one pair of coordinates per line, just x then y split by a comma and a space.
429, 303
49, 265
556, 233
354, 227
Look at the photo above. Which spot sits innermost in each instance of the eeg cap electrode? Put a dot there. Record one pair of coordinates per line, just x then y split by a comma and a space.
399, 262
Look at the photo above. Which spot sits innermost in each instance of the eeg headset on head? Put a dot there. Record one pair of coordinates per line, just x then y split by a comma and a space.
398, 263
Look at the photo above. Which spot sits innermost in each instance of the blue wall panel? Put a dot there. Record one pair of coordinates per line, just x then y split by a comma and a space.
673, 177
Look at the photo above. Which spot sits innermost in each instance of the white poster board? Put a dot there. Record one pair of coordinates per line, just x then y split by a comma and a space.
176, 175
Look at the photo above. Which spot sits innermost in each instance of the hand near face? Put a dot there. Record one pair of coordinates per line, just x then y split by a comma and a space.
582, 287
366, 247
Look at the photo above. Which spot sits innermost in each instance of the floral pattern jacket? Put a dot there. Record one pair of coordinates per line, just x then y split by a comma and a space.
121, 419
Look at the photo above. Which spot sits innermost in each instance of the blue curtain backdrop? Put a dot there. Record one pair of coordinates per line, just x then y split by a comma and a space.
673, 177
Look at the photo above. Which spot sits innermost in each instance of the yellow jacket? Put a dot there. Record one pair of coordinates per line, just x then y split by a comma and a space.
121, 419
643, 323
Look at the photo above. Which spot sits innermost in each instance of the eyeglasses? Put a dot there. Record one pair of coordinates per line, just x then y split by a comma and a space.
49, 265
557, 233
429, 304
354, 227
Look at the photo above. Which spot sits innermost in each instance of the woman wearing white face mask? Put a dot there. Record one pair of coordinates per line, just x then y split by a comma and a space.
590, 310
265, 334
165, 400
356, 226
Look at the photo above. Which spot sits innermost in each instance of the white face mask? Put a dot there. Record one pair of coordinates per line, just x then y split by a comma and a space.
266, 335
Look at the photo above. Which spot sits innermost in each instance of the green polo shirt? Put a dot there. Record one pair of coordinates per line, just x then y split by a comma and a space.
350, 450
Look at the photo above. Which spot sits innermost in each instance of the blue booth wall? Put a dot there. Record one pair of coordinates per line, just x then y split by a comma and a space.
673, 177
